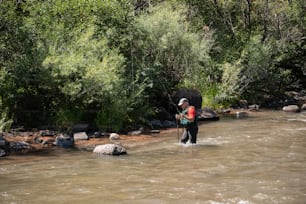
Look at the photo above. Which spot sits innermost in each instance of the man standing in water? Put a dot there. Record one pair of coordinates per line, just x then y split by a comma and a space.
188, 119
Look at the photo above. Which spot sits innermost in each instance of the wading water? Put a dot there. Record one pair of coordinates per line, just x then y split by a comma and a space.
259, 159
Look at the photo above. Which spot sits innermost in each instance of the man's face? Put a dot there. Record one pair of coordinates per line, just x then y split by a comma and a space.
184, 105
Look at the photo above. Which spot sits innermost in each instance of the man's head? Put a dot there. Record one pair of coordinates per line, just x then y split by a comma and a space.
183, 103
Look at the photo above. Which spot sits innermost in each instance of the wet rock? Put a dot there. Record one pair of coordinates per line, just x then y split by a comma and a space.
38, 140
291, 108
110, 149
20, 146
4, 147
162, 124
45, 142
207, 114
114, 136
80, 136
47, 133
155, 131
64, 141
254, 107
136, 132
241, 114
303, 108
2, 153
96, 134
18, 129
226, 111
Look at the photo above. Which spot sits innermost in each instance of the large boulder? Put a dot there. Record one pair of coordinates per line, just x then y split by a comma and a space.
194, 97
110, 149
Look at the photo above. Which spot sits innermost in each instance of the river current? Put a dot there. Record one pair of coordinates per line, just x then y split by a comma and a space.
259, 159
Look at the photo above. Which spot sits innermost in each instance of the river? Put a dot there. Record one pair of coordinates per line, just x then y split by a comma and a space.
260, 159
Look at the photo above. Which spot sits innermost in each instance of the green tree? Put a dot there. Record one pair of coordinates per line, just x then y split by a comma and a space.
165, 53
82, 60
20, 62
277, 27
254, 76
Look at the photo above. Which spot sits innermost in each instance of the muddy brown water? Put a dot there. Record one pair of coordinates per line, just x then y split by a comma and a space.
260, 159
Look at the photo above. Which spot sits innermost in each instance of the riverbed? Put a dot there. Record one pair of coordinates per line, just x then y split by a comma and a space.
256, 159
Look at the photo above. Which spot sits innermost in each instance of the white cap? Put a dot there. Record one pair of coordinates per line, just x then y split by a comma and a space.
182, 100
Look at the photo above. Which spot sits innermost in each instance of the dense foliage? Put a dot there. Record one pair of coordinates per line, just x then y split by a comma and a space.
112, 62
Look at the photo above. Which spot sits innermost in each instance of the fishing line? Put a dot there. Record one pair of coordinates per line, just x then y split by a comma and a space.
177, 109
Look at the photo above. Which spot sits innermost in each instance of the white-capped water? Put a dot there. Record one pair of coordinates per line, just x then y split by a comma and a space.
261, 159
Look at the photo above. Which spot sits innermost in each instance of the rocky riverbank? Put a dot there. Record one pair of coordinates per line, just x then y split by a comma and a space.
18, 141
36, 141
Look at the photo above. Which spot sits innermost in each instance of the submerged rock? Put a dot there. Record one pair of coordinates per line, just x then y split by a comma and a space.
110, 149
291, 108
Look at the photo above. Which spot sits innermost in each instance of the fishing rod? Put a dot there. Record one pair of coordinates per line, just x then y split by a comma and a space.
177, 121
177, 109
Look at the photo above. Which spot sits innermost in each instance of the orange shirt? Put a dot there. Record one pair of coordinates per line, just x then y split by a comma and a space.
191, 113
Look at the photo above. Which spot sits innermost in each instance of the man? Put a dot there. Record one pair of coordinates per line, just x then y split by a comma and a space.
188, 119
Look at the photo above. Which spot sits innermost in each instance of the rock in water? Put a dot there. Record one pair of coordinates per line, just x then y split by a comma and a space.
64, 141
114, 136
2, 153
241, 114
110, 149
20, 146
291, 108
80, 136
4, 146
